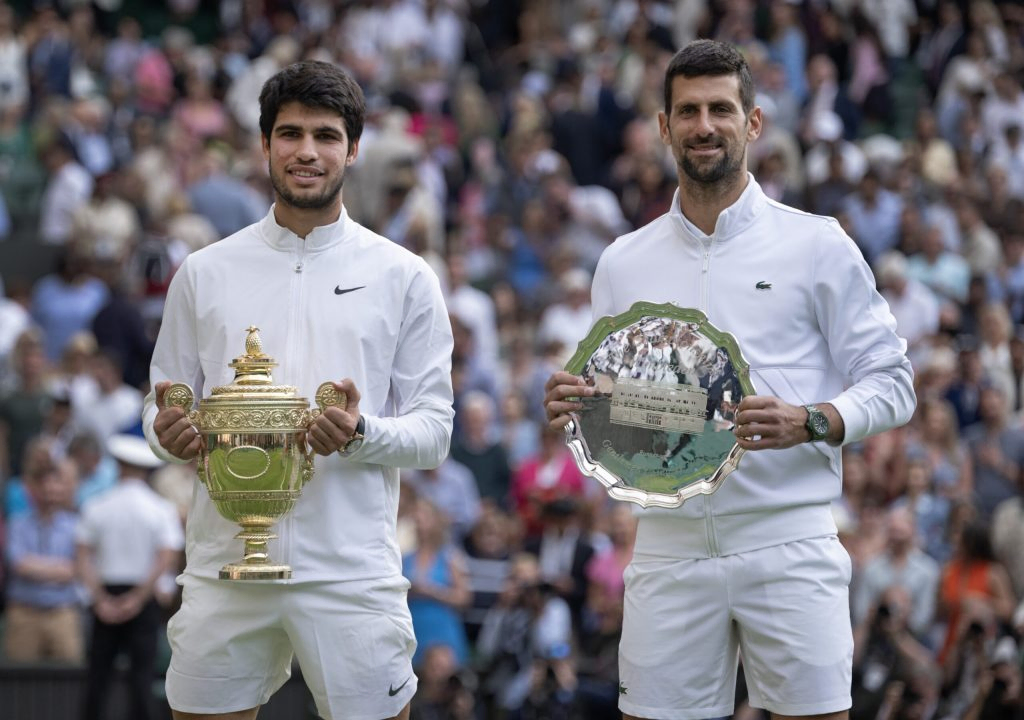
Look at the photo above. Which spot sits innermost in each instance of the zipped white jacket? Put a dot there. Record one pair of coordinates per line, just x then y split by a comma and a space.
344, 302
795, 292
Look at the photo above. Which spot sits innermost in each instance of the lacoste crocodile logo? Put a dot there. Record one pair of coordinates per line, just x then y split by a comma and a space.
339, 291
763, 285
392, 690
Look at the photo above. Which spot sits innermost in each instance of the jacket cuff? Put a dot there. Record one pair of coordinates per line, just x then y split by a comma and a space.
855, 420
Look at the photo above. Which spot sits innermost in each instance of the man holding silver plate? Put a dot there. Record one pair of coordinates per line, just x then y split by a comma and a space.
739, 344
328, 300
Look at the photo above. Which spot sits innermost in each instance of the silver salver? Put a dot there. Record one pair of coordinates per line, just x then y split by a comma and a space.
659, 428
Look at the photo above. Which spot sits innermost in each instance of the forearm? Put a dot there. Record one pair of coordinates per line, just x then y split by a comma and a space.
87, 574
418, 440
45, 569
877, 403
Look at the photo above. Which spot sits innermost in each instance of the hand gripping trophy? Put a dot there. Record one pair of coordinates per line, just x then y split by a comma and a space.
254, 458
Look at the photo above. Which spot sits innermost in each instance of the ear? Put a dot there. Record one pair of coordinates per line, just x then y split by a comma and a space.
265, 144
754, 124
666, 136
353, 153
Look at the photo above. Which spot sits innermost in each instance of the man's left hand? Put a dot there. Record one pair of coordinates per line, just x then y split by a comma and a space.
332, 430
764, 422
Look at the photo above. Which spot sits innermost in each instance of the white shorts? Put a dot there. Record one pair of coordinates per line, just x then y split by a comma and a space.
232, 645
785, 609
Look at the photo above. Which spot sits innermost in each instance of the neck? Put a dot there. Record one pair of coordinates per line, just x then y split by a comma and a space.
702, 203
302, 221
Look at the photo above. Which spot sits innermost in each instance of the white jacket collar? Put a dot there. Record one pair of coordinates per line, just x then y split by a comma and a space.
320, 238
732, 220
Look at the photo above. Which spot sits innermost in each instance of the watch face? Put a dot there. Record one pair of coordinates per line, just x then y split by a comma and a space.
819, 424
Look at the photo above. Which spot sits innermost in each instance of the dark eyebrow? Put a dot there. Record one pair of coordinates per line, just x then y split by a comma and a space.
322, 130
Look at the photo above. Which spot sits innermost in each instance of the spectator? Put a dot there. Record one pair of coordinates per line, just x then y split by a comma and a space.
488, 549
119, 326
14, 320
913, 305
106, 225
973, 575
944, 271
997, 452
452, 488
886, 652
66, 301
440, 589
567, 321
902, 565
549, 475
68, 189
476, 446
127, 539
930, 511
875, 213
526, 635
24, 407
446, 690
563, 552
227, 202
43, 616
107, 405
1008, 539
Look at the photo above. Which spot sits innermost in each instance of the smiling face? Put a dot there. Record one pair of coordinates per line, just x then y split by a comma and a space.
708, 130
308, 151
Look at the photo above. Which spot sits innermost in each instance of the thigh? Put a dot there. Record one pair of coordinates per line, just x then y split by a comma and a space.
677, 657
64, 635
229, 652
23, 634
792, 606
354, 642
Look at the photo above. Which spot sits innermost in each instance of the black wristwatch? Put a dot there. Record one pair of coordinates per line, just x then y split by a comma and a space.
817, 424
356, 441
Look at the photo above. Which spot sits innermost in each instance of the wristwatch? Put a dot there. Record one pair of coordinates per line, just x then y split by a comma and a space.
817, 423
356, 441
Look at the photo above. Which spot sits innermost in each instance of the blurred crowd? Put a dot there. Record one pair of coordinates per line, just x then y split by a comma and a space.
508, 143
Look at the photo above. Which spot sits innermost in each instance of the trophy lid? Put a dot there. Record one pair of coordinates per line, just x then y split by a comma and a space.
252, 374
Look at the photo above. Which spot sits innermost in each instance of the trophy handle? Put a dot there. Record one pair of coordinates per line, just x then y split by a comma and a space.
326, 396
181, 395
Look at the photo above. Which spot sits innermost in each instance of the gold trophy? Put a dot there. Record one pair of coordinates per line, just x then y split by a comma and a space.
254, 458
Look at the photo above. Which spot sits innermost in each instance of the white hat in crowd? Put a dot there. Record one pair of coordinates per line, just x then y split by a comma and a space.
133, 450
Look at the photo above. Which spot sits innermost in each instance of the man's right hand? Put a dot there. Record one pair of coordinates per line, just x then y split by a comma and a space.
175, 433
560, 386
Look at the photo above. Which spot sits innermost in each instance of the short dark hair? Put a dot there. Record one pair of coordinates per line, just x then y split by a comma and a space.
315, 84
710, 57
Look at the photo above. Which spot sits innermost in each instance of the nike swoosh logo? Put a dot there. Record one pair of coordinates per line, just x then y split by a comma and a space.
392, 691
339, 291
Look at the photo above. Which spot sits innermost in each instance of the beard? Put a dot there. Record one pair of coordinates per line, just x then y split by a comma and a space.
323, 199
726, 168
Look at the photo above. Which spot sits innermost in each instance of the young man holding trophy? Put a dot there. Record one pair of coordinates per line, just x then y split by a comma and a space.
329, 300
752, 565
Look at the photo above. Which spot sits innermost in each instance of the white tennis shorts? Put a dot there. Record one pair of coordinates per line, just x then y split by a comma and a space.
784, 609
232, 645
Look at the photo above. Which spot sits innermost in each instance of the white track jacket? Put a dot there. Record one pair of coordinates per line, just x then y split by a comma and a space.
344, 302
796, 293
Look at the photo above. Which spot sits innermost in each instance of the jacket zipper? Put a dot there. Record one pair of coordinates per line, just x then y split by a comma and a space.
294, 341
705, 301
705, 286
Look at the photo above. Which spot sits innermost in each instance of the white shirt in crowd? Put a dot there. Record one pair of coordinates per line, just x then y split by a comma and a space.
127, 527
68, 189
